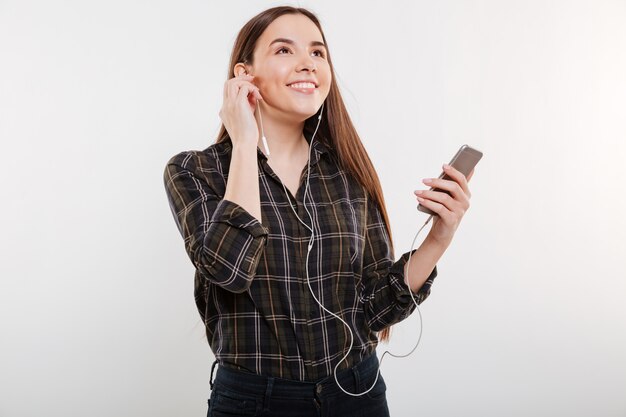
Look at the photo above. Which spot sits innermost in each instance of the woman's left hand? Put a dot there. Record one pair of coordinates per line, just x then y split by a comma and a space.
449, 208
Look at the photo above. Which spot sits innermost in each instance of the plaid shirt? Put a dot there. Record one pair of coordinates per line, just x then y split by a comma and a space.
251, 282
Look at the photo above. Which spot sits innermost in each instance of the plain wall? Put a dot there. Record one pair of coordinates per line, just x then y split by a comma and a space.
527, 315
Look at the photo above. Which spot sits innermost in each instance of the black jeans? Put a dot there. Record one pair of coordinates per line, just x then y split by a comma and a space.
241, 393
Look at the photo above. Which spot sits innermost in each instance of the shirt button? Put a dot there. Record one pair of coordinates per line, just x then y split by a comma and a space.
318, 389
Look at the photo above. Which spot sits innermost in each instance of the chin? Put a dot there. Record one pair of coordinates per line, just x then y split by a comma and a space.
304, 112
297, 109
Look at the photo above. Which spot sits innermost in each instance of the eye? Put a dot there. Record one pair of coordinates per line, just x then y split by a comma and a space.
321, 52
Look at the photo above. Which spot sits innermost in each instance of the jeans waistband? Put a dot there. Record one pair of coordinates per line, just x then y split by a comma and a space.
350, 379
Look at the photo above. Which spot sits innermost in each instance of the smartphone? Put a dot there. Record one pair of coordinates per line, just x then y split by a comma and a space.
465, 160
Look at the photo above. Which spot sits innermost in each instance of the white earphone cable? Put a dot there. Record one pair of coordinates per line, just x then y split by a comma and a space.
310, 246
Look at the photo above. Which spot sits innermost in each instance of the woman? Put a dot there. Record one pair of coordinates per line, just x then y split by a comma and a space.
284, 219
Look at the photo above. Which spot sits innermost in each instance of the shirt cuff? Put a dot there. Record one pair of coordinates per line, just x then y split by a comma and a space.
233, 214
402, 289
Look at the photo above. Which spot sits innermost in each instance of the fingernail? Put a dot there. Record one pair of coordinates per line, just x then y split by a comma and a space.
446, 166
427, 180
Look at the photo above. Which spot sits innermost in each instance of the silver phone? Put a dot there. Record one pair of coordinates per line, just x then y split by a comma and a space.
465, 160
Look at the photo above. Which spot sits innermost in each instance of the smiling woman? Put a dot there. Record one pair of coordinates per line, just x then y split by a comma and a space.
292, 72
296, 278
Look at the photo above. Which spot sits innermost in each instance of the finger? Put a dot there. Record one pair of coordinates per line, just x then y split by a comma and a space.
256, 93
438, 197
448, 185
457, 176
242, 94
231, 87
245, 90
438, 208
247, 80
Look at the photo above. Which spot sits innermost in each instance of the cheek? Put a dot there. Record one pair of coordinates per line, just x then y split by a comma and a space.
327, 80
326, 89
268, 87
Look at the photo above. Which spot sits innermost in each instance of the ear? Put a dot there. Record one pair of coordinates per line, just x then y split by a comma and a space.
240, 69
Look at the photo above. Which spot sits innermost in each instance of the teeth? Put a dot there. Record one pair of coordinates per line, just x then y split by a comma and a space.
302, 85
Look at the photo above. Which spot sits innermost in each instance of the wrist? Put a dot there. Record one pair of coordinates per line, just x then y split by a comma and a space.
434, 241
245, 146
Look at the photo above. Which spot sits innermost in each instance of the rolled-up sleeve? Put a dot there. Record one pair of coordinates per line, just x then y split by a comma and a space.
223, 240
386, 297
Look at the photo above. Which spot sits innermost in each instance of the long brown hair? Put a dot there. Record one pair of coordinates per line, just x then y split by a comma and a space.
336, 130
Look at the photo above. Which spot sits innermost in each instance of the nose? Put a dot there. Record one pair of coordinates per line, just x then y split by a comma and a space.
307, 64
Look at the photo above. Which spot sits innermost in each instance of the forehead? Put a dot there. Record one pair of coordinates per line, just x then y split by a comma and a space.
296, 27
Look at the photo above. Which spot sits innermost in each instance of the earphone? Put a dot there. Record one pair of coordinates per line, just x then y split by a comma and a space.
310, 246
265, 145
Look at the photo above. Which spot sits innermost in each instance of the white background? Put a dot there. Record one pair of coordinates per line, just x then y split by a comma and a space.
527, 315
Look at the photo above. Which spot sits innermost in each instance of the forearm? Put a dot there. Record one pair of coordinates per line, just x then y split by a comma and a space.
422, 262
243, 180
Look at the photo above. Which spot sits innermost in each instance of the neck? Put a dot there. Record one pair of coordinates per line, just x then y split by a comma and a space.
285, 137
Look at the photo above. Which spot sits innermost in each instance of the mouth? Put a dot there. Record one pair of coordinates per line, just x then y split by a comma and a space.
303, 87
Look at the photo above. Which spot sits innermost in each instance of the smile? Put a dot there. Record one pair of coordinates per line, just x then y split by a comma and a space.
306, 88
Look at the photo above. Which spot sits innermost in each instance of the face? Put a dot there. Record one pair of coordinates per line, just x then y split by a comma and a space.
277, 64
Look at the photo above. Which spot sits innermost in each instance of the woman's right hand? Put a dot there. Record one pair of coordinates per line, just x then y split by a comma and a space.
237, 112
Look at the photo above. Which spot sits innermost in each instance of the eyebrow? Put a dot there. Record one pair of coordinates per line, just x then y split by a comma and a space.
290, 42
